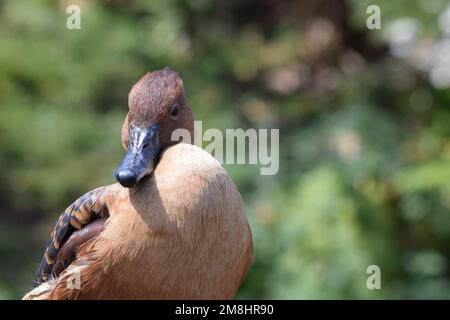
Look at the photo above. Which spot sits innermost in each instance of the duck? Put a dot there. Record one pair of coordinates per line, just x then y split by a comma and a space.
174, 225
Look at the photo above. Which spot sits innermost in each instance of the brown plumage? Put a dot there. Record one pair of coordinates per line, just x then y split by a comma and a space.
180, 232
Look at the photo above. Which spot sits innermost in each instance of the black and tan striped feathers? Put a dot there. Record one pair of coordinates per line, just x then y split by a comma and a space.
89, 207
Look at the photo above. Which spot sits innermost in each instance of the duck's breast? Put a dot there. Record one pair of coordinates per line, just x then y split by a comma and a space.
184, 231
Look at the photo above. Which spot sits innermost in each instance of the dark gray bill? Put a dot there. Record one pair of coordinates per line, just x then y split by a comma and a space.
141, 156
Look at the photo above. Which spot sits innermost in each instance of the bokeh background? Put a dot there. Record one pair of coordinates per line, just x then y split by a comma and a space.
363, 115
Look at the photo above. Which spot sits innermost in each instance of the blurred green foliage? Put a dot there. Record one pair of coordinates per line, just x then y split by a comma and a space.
363, 115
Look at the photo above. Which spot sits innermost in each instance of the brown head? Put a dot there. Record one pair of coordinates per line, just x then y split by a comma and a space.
157, 107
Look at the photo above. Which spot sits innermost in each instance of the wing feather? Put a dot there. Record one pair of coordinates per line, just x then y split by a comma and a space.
87, 208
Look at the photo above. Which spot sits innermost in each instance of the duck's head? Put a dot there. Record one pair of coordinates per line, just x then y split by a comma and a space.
157, 106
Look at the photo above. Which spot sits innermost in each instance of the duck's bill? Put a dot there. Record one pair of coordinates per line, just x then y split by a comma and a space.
141, 156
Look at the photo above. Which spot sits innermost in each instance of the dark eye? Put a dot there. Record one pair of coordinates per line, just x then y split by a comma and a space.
174, 111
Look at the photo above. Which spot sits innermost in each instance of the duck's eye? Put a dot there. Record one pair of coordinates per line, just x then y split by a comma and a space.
174, 111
